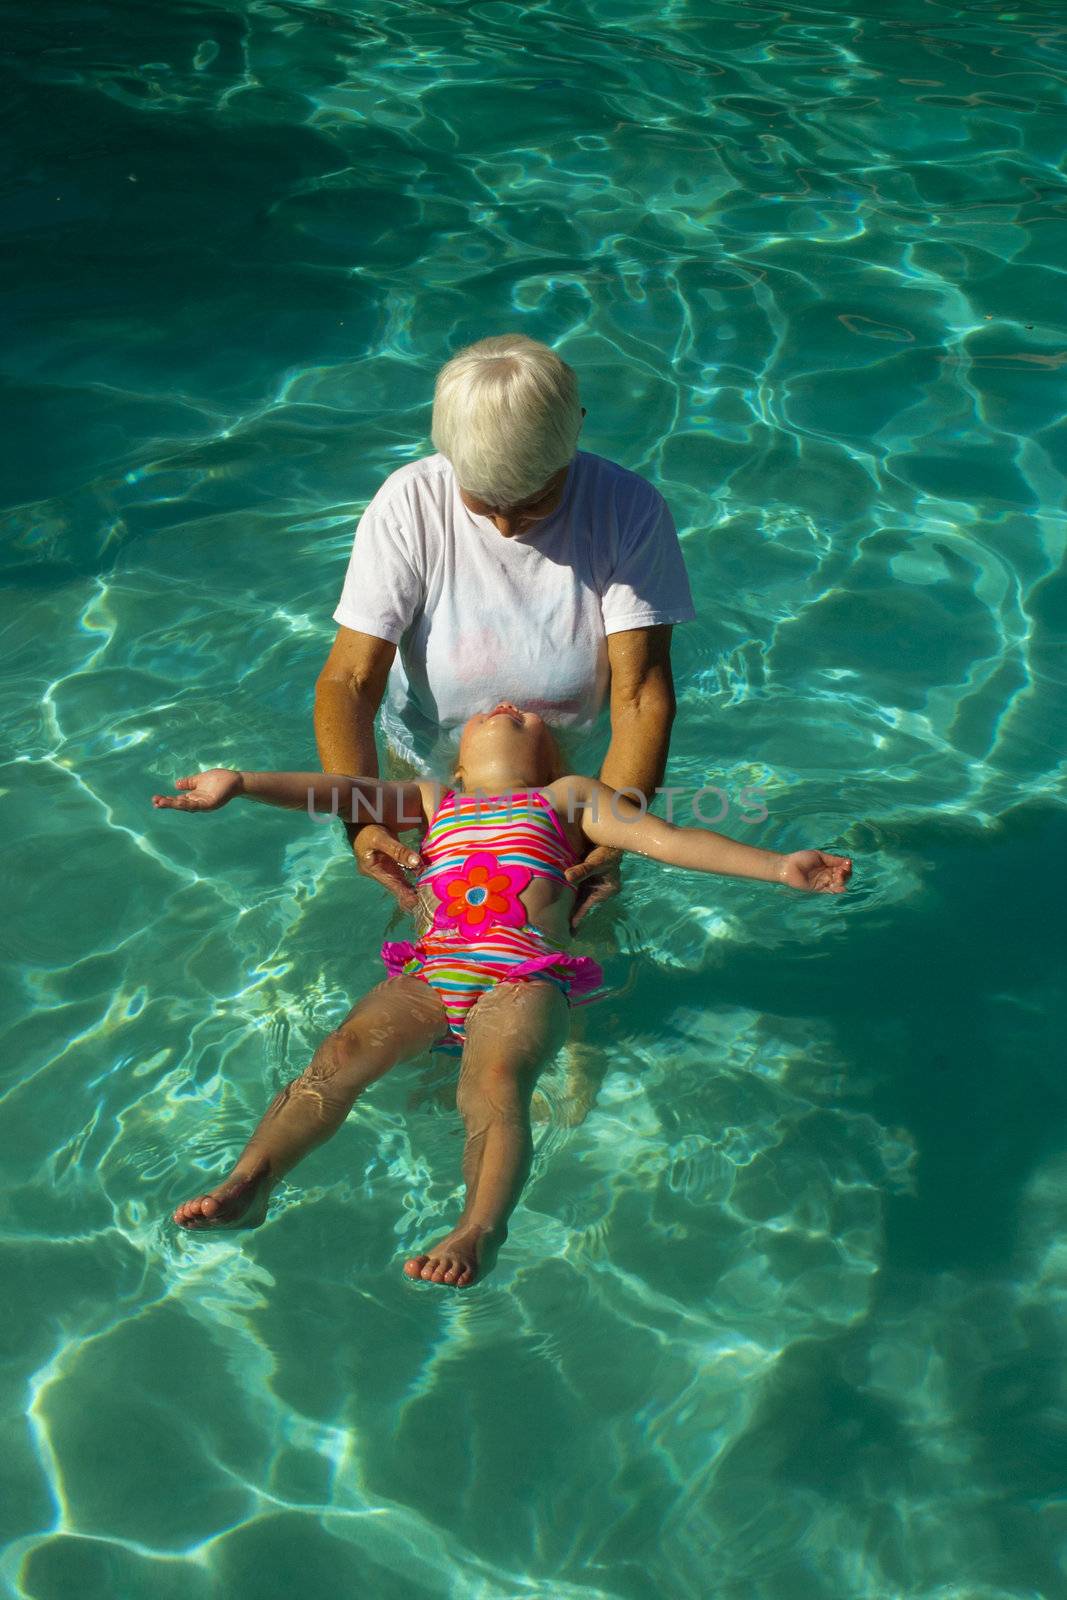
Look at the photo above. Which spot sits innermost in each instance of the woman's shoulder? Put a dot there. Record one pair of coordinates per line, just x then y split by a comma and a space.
599, 469
604, 477
428, 479
406, 518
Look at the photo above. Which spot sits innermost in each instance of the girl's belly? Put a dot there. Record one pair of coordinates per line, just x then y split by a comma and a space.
547, 906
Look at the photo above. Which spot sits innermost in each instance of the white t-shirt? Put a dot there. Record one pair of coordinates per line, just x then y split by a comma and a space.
480, 618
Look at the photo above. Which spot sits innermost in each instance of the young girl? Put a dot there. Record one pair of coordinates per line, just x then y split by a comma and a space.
488, 977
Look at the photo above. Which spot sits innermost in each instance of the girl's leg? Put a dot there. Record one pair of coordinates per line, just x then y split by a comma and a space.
512, 1032
396, 1020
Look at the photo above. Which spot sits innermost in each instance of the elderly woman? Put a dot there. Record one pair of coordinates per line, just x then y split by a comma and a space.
510, 566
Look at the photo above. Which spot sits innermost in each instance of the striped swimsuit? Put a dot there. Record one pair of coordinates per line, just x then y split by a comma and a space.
482, 852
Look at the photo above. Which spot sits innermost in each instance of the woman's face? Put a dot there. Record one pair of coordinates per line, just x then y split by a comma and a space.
510, 520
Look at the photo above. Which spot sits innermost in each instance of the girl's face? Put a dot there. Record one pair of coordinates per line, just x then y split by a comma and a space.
507, 736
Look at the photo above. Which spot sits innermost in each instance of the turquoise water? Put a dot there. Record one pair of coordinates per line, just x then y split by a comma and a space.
783, 1316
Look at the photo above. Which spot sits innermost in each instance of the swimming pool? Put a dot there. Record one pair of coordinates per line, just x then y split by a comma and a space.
782, 1318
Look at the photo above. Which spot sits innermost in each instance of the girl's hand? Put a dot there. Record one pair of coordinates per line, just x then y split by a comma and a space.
817, 871
204, 791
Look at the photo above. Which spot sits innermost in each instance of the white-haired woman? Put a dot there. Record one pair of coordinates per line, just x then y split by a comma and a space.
510, 566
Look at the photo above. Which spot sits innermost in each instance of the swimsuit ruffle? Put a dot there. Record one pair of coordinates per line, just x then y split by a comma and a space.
582, 972
396, 953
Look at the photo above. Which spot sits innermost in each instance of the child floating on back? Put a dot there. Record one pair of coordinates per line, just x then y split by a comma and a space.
489, 979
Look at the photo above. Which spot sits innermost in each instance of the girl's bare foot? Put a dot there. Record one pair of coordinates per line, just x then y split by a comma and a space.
240, 1202
468, 1253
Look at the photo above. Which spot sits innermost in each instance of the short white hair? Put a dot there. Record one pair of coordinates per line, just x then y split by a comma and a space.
506, 414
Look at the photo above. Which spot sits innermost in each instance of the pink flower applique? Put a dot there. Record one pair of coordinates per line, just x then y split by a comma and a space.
483, 893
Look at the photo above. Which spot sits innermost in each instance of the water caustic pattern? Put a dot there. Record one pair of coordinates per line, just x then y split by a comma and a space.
782, 1316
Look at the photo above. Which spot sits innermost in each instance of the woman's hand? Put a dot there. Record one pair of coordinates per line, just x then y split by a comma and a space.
380, 855
596, 878
203, 791
816, 871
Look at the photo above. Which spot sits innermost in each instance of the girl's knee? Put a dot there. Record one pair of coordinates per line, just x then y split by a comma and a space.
499, 1086
337, 1051
348, 1055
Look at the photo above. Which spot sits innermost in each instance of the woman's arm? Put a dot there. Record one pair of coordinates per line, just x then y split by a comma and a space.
609, 818
398, 806
642, 708
348, 692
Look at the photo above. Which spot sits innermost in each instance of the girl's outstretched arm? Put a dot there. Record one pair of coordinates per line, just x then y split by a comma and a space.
361, 800
610, 818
